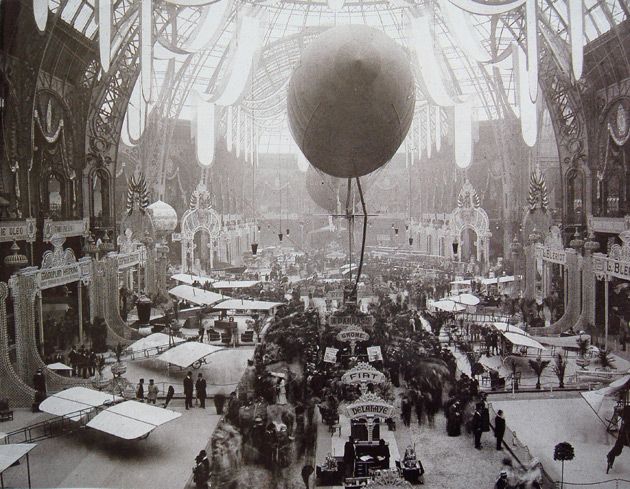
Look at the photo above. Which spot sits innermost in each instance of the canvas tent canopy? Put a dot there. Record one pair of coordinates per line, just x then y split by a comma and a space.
131, 420
153, 344
189, 354
189, 279
464, 299
246, 305
196, 295
234, 284
11, 453
76, 399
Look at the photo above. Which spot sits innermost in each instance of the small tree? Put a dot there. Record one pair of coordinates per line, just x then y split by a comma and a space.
563, 452
538, 366
605, 359
560, 368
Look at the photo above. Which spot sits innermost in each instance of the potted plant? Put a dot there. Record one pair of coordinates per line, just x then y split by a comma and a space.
119, 368
582, 344
560, 368
605, 360
538, 366
563, 452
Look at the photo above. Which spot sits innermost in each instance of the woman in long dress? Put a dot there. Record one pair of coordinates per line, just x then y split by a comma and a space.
282, 392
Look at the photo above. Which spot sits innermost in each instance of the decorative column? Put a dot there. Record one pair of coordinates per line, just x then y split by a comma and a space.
530, 264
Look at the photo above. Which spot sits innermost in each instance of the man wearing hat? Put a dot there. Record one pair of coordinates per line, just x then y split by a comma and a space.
502, 481
201, 472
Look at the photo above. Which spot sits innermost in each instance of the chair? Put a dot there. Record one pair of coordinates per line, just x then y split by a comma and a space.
6, 414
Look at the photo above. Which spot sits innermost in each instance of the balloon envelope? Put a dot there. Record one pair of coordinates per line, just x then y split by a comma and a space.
351, 100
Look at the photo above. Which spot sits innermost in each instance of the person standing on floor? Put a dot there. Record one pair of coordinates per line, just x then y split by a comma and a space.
200, 386
152, 392
477, 427
201, 471
348, 457
188, 390
140, 391
502, 481
39, 382
499, 428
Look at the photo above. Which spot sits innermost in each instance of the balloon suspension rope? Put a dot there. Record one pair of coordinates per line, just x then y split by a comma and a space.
365, 223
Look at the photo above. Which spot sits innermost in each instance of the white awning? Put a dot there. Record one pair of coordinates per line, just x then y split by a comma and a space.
465, 299
131, 420
196, 295
187, 278
58, 366
447, 305
153, 343
522, 340
562, 341
493, 281
509, 328
9, 454
247, 305
234, 284
186, 354
76, 399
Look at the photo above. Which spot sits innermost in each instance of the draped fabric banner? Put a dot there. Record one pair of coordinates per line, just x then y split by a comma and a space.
576, 26
205, 132
422, 42
136, 116
460, 27
40, 10
208, 27
238, 131
463, 134
429, 139
229, 130
146, 46
528, 113
483, 8
105, 32
248, 42
532, 48
438, 129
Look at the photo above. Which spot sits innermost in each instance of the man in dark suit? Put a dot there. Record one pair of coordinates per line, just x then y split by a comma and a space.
188, 390
348, 457
200, 386
477, 426
499, 428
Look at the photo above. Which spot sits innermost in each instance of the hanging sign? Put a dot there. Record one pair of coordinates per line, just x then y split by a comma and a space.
363, 373
18, 231
128, 260
330, 356
370, 405
348, 319
54, 277
67, 229
374, 353
352, 334
554, 256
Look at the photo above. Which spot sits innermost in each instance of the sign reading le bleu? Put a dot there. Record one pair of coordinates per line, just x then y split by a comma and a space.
619, 269
17, 230
67, 229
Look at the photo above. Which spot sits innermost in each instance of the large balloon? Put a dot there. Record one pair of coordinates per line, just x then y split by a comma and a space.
351, 100
326, 190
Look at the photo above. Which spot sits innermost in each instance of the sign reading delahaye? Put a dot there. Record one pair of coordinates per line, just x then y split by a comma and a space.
370, 405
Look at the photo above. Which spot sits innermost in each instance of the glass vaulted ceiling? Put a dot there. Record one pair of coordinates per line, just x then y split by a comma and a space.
290, 24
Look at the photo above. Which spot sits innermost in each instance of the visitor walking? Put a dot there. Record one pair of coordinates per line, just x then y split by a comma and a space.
200, 387
169, 395
499, 428
188, 390
201, 471
477, 427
